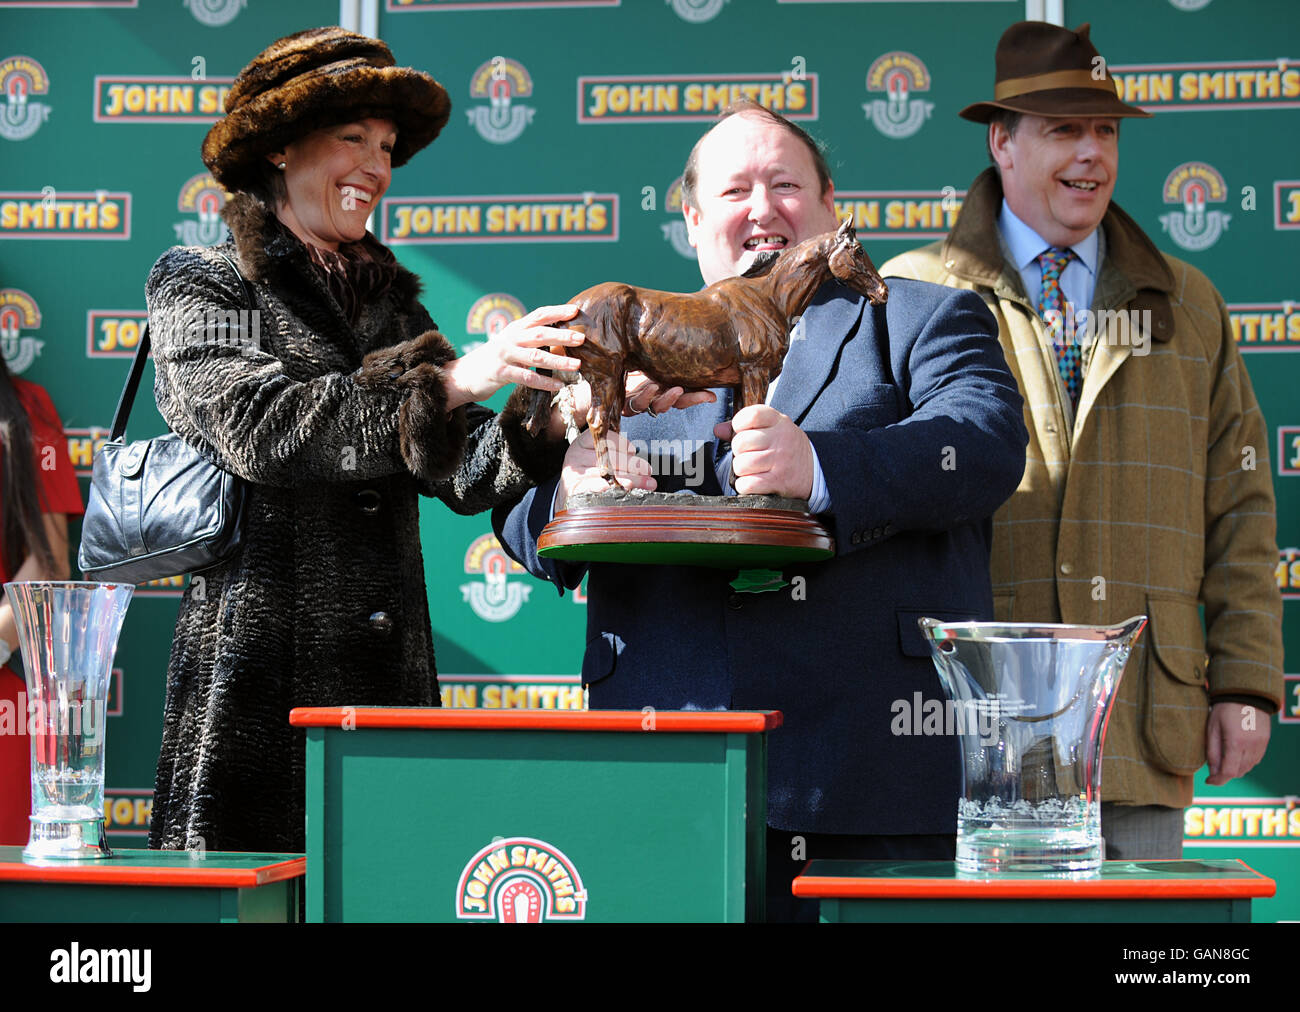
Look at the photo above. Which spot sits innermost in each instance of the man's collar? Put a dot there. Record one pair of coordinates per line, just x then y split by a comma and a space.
1025, 244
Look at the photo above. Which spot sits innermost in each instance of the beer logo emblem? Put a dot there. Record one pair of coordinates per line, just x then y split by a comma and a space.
203, 196
520, 880
215, 12
18, 312
675, 230
496, 599
21, 77
1190, 5
697, 11
500, 81
492, 313
1194, 185
898, 75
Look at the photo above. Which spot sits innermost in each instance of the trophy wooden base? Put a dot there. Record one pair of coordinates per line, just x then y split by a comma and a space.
721, 532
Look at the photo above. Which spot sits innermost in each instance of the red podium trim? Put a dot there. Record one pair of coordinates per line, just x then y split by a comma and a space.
717, 722
834, 887
160, 875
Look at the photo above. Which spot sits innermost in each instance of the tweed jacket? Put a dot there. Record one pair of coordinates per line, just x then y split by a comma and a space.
325, 602
1155, 498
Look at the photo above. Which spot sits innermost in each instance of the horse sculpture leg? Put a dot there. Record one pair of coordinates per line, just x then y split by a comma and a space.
603, 417
753, 385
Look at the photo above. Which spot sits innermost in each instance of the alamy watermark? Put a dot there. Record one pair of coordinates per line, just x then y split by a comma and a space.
1117, 327
224, 328
980, 717
83, 717
677, 457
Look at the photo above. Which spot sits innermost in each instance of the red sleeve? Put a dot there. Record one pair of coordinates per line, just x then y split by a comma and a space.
59, 492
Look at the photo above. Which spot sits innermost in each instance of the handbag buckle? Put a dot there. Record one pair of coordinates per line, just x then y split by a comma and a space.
132, 460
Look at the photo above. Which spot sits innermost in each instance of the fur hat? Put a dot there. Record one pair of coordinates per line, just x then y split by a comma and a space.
314, 79
1046, 70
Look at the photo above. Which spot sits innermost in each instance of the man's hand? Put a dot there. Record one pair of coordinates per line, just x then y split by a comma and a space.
770, 455
641, 396
581, 471
644, 395
1231, 750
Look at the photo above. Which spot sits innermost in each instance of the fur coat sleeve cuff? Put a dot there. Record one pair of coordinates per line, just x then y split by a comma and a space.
432, 441
539, 457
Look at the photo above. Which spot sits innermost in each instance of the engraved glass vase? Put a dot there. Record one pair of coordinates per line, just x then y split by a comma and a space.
68, 634
1031, 704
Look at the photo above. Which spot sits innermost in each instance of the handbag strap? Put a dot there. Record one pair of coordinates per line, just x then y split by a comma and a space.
127, 399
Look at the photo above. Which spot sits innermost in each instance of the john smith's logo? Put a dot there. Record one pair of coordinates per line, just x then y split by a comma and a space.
899, 75
21, 77
496, 599
215, 12
500, 81
1195, 185
18, 312
520, 880
675, 230
202, 196
696, 10
490, 315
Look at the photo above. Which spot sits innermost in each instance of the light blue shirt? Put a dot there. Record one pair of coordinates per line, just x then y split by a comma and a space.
1078, 280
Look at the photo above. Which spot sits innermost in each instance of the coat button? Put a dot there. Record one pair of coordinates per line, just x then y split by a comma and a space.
368, 500
734, 602
381, 623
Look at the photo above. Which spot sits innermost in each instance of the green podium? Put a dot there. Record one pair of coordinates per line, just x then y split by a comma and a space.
540, 815
152, 885
930, 891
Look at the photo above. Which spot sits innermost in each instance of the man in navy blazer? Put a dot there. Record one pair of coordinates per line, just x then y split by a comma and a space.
902, 426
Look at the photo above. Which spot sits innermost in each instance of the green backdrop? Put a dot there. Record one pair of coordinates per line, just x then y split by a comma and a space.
570, 124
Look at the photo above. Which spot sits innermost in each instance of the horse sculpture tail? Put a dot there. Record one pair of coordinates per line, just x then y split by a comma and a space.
539, 410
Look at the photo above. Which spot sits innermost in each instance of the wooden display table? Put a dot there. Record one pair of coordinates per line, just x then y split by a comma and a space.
152, 885
488, 815
929, 891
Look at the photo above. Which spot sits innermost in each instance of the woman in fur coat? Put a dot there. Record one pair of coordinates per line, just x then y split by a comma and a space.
339, 403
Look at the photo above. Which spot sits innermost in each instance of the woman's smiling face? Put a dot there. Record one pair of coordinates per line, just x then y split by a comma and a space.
333, 178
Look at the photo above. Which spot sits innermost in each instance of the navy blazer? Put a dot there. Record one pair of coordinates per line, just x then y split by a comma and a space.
918, 426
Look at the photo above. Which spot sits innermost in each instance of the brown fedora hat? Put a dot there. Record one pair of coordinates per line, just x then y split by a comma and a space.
314, 79
1046, 70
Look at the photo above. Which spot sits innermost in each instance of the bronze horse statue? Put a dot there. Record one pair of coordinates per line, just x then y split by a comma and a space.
734, 333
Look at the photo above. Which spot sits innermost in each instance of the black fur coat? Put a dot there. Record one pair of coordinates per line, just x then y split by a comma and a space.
337, 429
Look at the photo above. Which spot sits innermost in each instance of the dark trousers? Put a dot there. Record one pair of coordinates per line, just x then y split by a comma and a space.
787, 855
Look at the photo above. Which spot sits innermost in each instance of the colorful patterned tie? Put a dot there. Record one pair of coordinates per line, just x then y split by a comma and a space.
1060, 324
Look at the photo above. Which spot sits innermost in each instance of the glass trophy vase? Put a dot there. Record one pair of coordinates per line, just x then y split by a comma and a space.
67, 633
1030, 707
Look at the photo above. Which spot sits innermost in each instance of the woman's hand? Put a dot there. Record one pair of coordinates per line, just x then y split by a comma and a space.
512, 355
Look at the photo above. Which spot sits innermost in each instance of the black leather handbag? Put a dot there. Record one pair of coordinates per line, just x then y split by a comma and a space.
157, 509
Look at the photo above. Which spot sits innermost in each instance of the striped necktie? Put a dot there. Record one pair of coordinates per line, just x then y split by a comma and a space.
1060, 324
